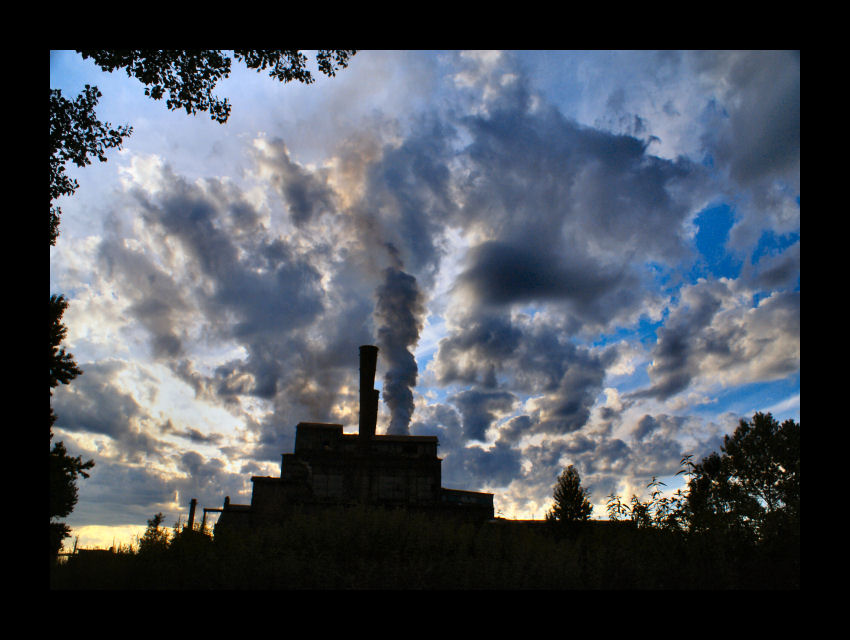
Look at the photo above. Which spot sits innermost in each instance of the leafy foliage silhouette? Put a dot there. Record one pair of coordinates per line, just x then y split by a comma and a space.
76, 135
188, 77
752, 487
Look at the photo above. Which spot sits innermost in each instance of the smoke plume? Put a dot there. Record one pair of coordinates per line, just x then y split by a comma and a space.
398, 314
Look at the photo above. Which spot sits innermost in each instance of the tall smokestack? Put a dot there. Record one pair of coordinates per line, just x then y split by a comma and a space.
368, 393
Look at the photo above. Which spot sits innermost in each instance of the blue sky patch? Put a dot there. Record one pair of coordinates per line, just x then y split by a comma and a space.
714, 225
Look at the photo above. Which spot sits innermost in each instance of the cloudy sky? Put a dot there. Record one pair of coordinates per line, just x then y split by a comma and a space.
587, 258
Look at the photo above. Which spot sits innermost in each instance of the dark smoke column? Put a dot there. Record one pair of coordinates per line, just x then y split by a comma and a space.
398, 315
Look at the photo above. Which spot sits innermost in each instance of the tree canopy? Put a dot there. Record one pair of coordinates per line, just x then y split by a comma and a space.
76, 135
571, 503
753, 484
186, 78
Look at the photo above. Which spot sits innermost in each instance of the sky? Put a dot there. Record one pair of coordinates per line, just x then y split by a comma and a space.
564, 257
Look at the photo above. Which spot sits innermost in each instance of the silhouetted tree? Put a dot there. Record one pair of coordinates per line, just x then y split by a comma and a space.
64, 469
753, 485
63, 369
76, 135
571, 503
156, 537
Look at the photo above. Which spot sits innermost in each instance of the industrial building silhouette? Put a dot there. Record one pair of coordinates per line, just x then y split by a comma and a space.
329, 468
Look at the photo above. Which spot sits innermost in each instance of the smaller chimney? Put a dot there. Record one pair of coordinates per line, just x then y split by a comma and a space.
192, 504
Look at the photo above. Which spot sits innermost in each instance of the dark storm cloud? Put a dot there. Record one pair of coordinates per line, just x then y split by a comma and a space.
645, 426
306, 194
156, 300
469, 355
550, 186
301, 352
610, 456
373, 256
656, 448
752, 135
96, 404
568, 408
673, 364
496, 466
775, 271
515, 428
230, 280
200, 470
479, 409
758, 134
409, 192
259, 280
570, 215
253, 289
441, 420
191, 434
503, 273
737, 345
541, 184
119, 494
526, 357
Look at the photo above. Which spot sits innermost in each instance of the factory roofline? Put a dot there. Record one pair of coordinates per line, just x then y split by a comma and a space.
329, 467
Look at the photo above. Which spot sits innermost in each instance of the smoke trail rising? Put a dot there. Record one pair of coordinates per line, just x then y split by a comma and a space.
398, 314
